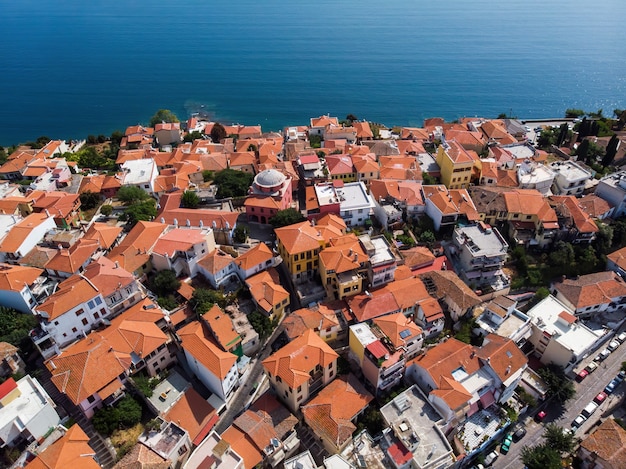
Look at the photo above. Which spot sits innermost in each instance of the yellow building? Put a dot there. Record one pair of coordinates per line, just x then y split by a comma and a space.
456, 165
299, 246
342, 267
268, 294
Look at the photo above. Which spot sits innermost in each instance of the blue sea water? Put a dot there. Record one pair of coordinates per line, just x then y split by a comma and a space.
69, 68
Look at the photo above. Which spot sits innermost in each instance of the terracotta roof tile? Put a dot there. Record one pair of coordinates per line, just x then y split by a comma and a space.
398, 328
105, 234
243, 446
592, 289
222, 327
254, 256
14, 239
16, 277
266, 289
71, 450
71, 260
193, 413
216, 260
300, 237
448, 285
197, 340
72, 292
608, 442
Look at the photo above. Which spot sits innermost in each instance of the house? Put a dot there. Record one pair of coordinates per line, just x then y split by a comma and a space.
18, 285
403, 197
414, 436
180, 250
167, 133
73, 260
217, 452
612, 189
322, 199
616, 261
25, 235
133, 252
355, 203
430, 318
492, 175
590, 295
140, 173
340, 167
106, 186
268, 294
456, 164
170, 441
501, 316
10, 361
576, 226
299, 246
366, 169
92, 372
118, 287
449, 289
192, 412
533, 175
27, 412
106, 235
137, 136
300, 369
418, 257
65, 208
400, 168
460, 379
71, 450
332, 414
595, 207
223, 330
382, 261
605, 448
445, 206
268, 427
478, 254
468, 139
557, 335
270, 192
214, 367
326, 319
495, 131
401, 332
531, 220
408, 293
254, 260
342, 267
218, 267
317, 125
570, 178
369, 305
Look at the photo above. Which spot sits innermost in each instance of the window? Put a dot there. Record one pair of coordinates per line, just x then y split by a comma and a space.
56, 323
300, 398
298, 267
330, 375
64, 334
91, 399
146, 186
96, 315
98, 300
182, 450
74, 330
91, 305
278, 379
85, 322
155, 364
80, 311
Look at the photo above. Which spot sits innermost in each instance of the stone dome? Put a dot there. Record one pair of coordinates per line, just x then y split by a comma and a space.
269, 178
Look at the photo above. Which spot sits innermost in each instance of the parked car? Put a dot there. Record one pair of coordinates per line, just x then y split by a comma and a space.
591, 367
605, 354
490, 458
540, 416
506, 444
622, 337
589, 409
609, 388
519, 433
578, 421
621, 374
582, 374
613, 345
600, 398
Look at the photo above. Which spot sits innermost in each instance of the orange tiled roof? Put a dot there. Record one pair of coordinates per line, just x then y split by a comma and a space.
14, 239
339, 164
262, 202
254, 256
414, 133
410, 147
299, 321
171, 211
16, 277
105, 234
409, 192
107, 276
452, 393
592, 289
418, 257
618, 258
529, 202
608, 443
243, 446
448, 286
297, 359
332, 411
193, 413
222, 327
197, 341
323, 121
142, 457
71, 293
446, 357
178, 239
395, 324
432, 309
216, 260
300, 237
569, 204
58, 204
408, 292
503, 356
266, 289
495, 130
71, 450
134, 250
457, 153
378, 303
465, 138
365, 165
363, 129
594, 206
72, 259
344, 254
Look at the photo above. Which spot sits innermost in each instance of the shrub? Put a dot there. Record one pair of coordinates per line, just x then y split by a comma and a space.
106, 210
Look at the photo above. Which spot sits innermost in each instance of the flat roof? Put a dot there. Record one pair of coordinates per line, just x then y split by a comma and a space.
138, 170
353, 195
382, 250
487, 242
168, 391
364, 334
228, 458
521, 150
412, 411
570, 170
326, 194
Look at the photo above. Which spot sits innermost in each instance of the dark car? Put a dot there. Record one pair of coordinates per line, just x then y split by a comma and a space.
519, 433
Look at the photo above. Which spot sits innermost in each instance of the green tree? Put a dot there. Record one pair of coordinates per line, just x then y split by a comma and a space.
140, 211
288, 216
563, 254
116, 137
3, 155
195, 135
315, 141
556, 438
563, 134
611, 151
570, 112
351, 118
131, 194
261, 324
167, 302
218, 133
89, 200
89, 157
106, 420
232, 183
163, 115
106, 210
547, 138
428, 180
164, 282
190, 200
427, 237
207, 175
559, 386
240, 234
129, 411
583, 151
541, 457
203, 300
15, 327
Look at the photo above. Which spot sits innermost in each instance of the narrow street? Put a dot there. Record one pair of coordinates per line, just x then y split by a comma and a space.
585, 392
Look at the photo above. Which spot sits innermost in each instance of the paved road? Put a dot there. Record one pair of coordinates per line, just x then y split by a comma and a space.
585, 392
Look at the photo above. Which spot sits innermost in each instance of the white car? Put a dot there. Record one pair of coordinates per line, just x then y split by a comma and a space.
622, 337
490, 458
578, 421
604, 354
613, 345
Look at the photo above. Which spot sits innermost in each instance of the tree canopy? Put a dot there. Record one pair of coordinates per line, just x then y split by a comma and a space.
139, 211
556, 438
164, 283
163, 115
558, 384
190, 200
15, 326
541, 457
131, 194
89, 200
286, 217
232, 183
218, 133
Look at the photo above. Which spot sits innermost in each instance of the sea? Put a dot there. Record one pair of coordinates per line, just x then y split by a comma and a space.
69, 68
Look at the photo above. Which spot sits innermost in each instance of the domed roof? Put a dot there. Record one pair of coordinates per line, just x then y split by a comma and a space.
269, 178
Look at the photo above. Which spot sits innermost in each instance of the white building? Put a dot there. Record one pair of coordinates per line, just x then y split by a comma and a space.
355, 204
25, 235
570, 178
612, 188
532, 175
181, 248
557, 335
382, 263
16, 286
140, 173
26, 411
216, 450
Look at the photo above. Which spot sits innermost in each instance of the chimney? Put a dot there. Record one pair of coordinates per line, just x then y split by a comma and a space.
117, 265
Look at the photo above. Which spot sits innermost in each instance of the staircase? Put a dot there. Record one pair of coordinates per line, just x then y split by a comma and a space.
105, 453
